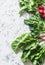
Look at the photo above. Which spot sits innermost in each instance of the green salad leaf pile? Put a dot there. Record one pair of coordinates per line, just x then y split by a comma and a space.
30, 5
36, 25
29, 42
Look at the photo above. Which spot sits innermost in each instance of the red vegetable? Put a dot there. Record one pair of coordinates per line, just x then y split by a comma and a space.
41, 11
41, 7
43, 15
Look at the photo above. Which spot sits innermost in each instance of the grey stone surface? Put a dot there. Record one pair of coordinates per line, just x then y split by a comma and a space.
11, 26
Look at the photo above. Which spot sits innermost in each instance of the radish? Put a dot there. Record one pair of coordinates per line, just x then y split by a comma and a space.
41, 7
41, 11
43, 15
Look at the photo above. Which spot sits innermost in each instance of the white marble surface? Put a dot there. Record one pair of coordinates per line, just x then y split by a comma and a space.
11, 26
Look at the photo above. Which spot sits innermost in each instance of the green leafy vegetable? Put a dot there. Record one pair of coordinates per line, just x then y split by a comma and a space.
31, 48
16, 44
30, 42
36, 25
29, 5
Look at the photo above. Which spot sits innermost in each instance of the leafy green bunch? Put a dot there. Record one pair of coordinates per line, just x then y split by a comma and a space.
29, 43
31, 48
36, 25
29, 5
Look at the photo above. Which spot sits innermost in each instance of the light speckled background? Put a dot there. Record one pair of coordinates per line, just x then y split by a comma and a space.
11, 26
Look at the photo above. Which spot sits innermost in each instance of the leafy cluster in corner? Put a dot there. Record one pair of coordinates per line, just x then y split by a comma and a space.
36, 25
29, 5
31, 48
29, 43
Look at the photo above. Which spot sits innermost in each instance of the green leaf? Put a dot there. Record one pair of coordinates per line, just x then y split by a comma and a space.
19, 40
36, 25
30, 5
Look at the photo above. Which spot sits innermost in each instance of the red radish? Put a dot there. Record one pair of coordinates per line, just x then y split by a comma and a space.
41, 7
41, 11
43, 15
